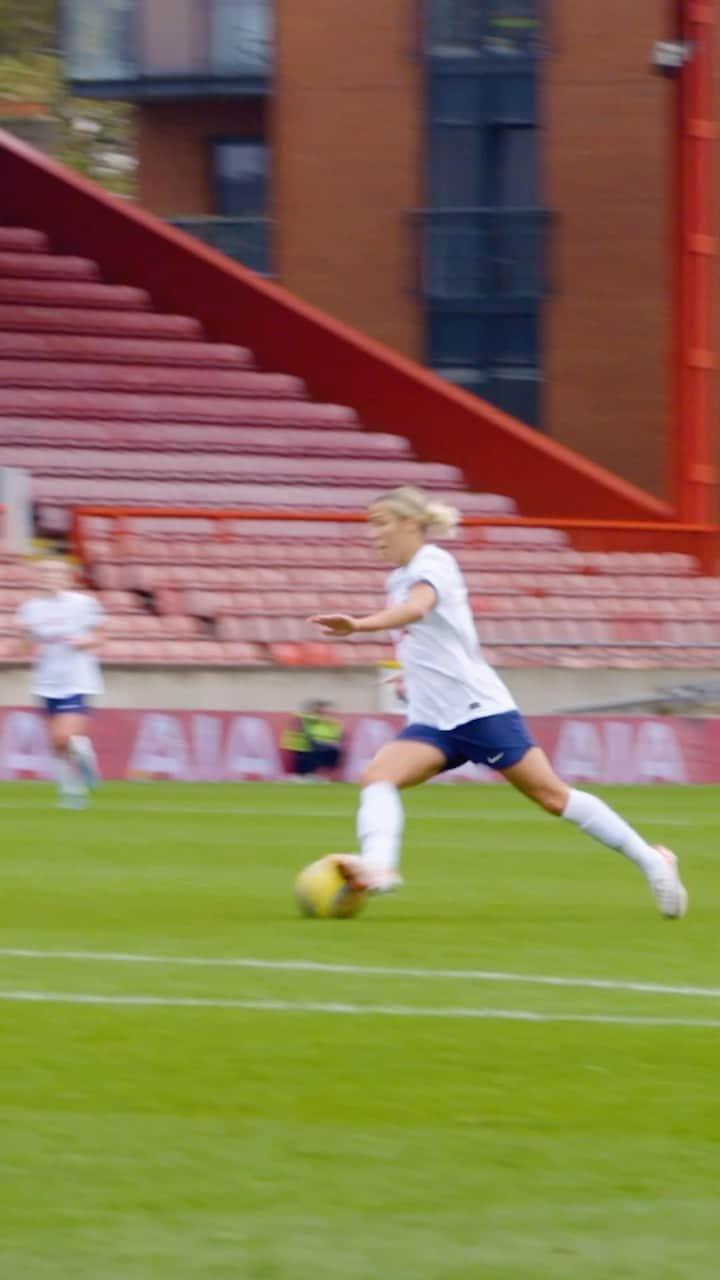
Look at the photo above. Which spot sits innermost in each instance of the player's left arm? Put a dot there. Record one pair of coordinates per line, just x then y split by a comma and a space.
420, 599
92, 633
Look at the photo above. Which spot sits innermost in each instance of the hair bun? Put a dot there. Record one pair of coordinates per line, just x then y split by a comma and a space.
442, 520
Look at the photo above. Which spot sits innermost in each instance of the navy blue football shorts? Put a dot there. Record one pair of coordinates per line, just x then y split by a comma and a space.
73, 703
497, 741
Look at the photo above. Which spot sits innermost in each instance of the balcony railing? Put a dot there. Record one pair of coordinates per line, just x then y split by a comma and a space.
497, 29
150, 47
483, 254
247, 240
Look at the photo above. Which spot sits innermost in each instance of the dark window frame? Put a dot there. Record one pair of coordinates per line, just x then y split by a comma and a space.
234, 139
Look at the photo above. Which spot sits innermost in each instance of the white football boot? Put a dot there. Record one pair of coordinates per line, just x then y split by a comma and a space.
668, 890
360, 876
72, 797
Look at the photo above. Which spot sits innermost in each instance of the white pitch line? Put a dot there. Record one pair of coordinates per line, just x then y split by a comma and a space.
530, 816
359, 970
377, 1010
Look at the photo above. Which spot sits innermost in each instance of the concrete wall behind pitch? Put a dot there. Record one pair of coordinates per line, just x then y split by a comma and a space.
539, 691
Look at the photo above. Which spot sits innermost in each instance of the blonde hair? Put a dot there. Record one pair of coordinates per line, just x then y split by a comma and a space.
436, 519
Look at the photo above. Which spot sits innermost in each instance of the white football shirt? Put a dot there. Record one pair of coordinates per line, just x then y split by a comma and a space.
447, 680
52, 621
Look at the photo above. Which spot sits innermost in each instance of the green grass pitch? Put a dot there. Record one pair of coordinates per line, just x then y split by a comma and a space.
395, 1097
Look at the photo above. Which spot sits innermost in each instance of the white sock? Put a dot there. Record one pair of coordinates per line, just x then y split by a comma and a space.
380, 822
82, 747
598, 820
66, 774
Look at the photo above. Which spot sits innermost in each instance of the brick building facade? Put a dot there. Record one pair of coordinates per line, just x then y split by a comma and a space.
483, 186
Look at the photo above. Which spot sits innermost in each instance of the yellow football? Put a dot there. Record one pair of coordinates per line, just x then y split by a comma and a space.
321, 890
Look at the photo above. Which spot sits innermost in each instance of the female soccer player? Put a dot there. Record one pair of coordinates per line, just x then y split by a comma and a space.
64, 628
458, 708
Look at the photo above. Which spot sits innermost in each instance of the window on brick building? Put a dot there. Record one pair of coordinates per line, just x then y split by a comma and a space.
240, 170
512, 163
467, 28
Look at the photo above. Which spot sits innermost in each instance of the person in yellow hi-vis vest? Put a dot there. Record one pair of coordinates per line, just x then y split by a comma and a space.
315, 739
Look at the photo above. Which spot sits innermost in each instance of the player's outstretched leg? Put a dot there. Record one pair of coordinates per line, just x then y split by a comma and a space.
72, 792
72, 788
535, 777
380, 817
83, 753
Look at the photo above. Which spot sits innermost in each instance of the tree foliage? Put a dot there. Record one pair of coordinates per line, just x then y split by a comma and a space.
95, 137
26, 27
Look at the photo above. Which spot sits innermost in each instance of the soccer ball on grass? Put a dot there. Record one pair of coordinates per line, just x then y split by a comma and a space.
321, 890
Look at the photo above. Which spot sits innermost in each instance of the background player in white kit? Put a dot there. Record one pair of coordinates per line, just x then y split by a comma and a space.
64, 627
458, 708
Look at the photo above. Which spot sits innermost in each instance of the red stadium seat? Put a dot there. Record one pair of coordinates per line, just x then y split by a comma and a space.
140, 351
123, 378
34, 317
309, 654
103, 401
370, 654
216, 468
11, 598
163, 409
61, 492
66, 293
243, 655
22, 240
118, 601
507, 535
18, 264
344, 441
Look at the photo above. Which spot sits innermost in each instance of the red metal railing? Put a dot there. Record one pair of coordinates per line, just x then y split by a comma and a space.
699, 540
694, 248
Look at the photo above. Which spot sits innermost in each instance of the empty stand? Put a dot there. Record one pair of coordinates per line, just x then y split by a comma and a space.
77, 321
22, 240
102, 400
170, 353
52, 433
55, 496
133, 633
31, 265
215, 468
106, 402
257, 581
31, 376
71, 293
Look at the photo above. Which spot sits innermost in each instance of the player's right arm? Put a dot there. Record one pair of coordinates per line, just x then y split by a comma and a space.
420, 599
25, 645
